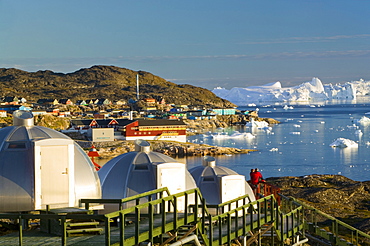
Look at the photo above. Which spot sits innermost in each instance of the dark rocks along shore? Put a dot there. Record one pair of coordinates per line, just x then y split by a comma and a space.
336, 195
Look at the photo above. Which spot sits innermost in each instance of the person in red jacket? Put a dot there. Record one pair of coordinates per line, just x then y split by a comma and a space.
256, 177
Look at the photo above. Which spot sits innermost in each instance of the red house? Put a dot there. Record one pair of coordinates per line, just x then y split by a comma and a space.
162, 129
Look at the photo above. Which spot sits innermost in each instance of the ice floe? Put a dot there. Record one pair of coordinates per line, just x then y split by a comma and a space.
258, 124
225, 135
364, 120
343, 143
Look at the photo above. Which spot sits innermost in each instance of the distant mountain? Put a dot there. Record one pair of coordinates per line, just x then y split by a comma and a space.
109, 82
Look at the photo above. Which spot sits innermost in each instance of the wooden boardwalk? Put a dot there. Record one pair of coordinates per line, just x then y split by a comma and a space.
36, 237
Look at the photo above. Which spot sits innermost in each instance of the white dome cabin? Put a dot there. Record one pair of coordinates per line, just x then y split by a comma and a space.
40, 166
143, 170
219, 184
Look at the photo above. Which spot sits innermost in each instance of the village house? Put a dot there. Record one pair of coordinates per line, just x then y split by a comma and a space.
121, 102
38, 112
224, 111
65, 102
103, 101
3, 113
10, 101
47, 102
12, 108
81, 102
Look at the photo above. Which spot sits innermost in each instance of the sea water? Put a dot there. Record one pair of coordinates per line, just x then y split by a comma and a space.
300, 144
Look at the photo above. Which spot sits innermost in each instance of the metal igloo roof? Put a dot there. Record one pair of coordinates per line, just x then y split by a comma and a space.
212, 179
23, 129
209, 169
136, 172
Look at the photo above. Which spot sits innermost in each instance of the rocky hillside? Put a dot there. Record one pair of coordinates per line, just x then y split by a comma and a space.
109, 82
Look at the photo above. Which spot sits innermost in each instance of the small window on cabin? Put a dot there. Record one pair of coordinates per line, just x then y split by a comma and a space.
16, 145
141, 167
209, 179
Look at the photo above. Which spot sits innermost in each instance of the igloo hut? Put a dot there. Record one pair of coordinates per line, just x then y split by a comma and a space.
219, 184
143, 170
40, 166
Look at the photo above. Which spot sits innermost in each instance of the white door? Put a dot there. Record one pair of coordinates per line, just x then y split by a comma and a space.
54, 168
172, 176
232, 186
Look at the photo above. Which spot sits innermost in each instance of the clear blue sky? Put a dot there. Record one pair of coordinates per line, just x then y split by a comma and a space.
206, 43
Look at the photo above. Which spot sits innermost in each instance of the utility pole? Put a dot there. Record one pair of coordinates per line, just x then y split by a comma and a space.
137, 87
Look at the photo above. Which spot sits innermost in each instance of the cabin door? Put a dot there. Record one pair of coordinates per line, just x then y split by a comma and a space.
232, 186
172, 176
54, 184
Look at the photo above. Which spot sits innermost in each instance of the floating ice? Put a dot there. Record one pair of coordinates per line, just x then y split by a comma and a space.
286, 107
343, 143
297, 126
364, 120
258, 124
353, 126
358, 132
225, 135
294, 133
274, 149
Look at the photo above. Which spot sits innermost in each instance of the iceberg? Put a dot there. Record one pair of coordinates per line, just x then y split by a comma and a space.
364, 120
257, 124
343, 143
307, 91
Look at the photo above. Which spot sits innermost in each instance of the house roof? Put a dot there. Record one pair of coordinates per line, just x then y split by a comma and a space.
124, 122
161, 122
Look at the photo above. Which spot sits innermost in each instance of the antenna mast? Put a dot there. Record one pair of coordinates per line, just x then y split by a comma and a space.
137, 87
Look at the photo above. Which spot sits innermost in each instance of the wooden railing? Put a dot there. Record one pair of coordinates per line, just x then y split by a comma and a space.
157, 212
336, 231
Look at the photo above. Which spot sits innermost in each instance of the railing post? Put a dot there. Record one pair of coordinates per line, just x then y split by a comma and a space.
203, 214
196, 206
64, 230
175, 212
259, 214
228, 228
122, 228
107, 231
210, 230
236, 223
186, 207
137, 224
282, 227
47, 210
244, 220
250, 208
20, 227
163, 212
219, 230
151, 221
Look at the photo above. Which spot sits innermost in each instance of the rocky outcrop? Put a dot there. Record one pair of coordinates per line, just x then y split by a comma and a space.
115, 148
223, 121
336, 195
